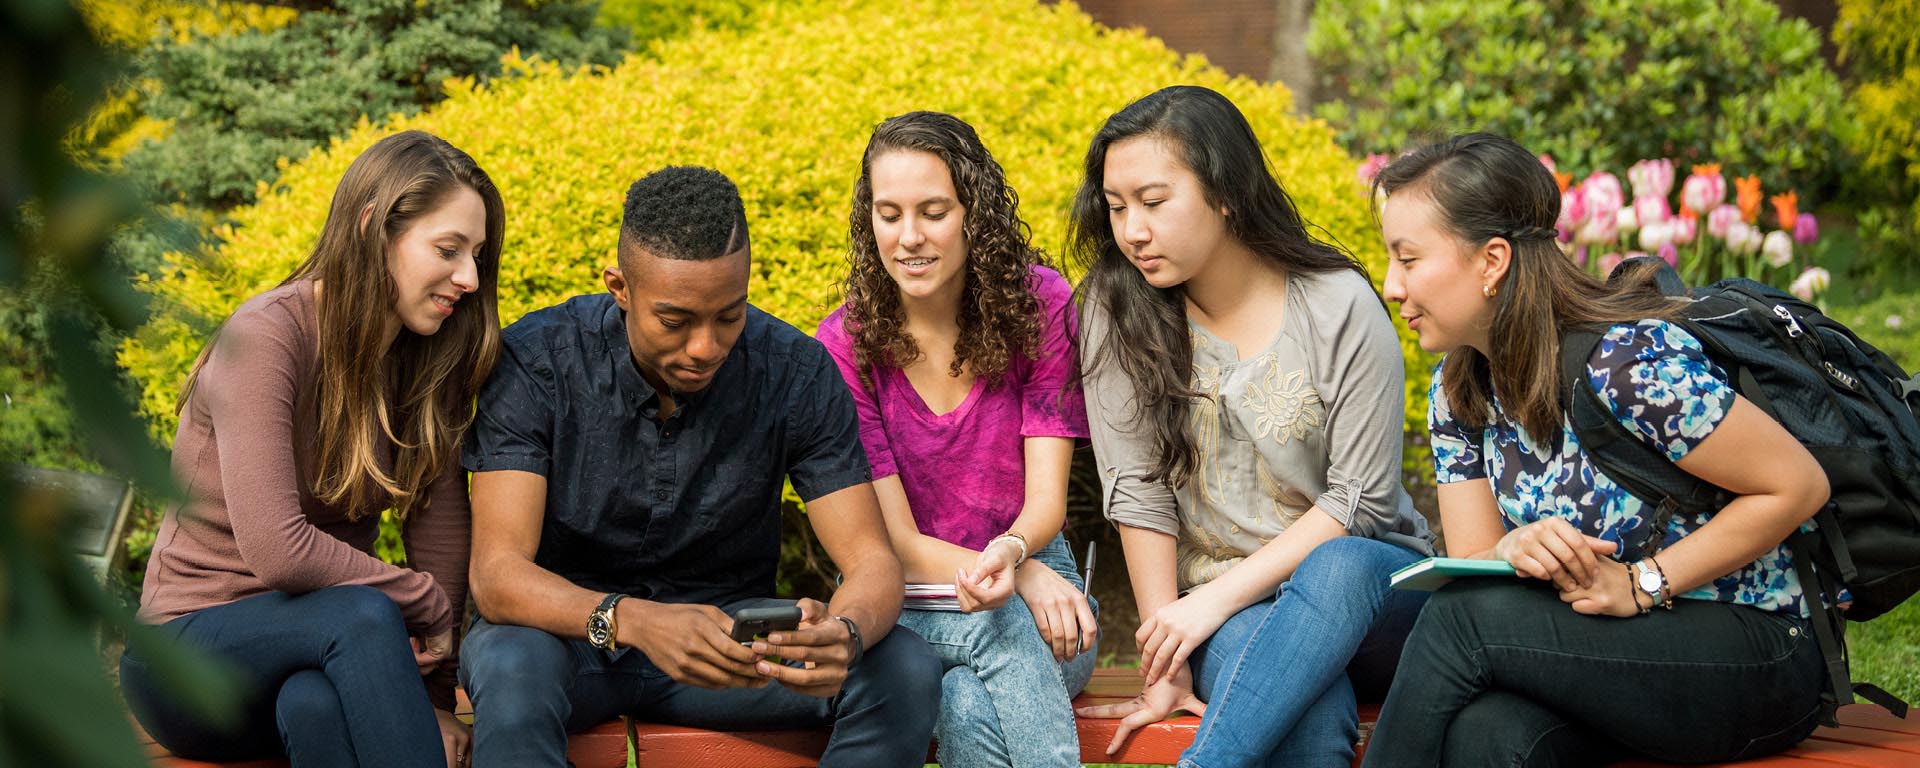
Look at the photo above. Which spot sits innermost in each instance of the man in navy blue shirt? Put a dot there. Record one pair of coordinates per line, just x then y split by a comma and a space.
628, 457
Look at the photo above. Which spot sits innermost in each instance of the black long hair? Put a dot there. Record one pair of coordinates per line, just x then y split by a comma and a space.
1148, 336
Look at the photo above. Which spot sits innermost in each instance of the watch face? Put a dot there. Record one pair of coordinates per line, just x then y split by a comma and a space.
597, 630
1649, 582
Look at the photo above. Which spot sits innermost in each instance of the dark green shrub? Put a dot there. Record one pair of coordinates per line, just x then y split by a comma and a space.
1596, 85
239, 102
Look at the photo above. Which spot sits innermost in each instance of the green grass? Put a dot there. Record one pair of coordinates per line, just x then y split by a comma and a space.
1886, 651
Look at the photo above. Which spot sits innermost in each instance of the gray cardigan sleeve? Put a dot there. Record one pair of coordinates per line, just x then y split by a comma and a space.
1358, 371
1122, 440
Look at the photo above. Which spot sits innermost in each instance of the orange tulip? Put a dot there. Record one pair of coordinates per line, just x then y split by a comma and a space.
1707, 169
1786, 209
1562, 179
1748, 197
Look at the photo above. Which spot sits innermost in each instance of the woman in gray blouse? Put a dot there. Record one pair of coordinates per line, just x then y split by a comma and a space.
1245, 391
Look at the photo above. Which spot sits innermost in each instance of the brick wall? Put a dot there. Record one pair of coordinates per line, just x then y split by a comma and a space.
1236, 35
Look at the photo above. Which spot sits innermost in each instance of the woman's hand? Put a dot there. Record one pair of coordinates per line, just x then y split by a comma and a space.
1060, 611
990, 582
1613, 593
456, 738
429, 652
1172, 633
1154, 704
1552, 549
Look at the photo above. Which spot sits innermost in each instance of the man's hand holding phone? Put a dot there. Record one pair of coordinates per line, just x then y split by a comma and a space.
691, 643
820, 645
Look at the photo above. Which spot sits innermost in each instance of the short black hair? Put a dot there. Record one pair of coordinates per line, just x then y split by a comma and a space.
683, 212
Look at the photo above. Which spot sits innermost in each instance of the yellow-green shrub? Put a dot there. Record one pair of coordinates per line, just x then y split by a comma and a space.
131, 24
1880, 43
784, 108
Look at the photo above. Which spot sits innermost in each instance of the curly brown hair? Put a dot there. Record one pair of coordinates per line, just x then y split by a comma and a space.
999, 313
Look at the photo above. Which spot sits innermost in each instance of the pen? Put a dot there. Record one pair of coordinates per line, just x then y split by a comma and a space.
1086, 575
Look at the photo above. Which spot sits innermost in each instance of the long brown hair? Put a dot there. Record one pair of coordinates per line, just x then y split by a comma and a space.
999, 313
1486, 186
1148, 336
433, 379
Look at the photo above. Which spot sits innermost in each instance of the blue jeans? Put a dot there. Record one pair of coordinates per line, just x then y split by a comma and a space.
1280, 677
1500, 672
329, 681
530, 689
1004, 699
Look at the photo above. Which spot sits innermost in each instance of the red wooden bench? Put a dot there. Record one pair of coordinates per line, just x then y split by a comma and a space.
1868, 737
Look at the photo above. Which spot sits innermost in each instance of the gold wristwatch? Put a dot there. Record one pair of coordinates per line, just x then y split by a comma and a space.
602, 627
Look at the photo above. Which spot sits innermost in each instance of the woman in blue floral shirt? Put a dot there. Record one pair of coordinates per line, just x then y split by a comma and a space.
1611, 645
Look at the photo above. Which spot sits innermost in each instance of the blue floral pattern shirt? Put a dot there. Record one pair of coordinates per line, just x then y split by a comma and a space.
1657, 380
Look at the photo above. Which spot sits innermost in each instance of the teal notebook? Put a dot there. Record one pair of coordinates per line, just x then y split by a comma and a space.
1432, 573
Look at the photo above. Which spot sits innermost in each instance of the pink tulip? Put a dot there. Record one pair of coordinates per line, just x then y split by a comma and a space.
1703, 191
1609, 262
1599, 230
1573, 209
1651, 178
1547, 160
1670, 254
1580, 256
1684, 230
1371, 167
1651, 209
1603, 194
1722, 219
1805, 229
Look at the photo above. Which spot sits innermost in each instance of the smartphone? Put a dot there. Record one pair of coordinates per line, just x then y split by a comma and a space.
751, 623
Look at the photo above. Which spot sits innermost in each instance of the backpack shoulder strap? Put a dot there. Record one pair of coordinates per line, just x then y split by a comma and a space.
1626, 459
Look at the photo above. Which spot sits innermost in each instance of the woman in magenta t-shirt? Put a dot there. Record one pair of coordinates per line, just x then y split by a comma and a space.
957, 343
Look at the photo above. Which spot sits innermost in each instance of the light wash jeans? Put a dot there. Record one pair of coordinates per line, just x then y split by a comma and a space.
1279, 678
1004, 699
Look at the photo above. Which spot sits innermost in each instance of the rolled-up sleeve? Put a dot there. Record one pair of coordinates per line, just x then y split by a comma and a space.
513, 421
1122, 437
1362, 380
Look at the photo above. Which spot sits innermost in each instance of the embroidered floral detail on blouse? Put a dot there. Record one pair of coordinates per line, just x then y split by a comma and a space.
1271, 486
1204, 556
1286, 405
1206, 421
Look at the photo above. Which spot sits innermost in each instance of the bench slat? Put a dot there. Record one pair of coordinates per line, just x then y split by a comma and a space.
1868, 737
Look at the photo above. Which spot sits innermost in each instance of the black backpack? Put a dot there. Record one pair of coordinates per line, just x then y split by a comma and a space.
1847, 402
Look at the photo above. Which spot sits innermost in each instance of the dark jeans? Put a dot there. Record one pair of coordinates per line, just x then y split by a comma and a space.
329, 680
1499, 672
530, 689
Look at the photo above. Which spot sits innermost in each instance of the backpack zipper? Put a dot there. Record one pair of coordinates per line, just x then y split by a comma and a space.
1793, 326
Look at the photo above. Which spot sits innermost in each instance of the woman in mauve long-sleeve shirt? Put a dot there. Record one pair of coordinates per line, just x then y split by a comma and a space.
339, 394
